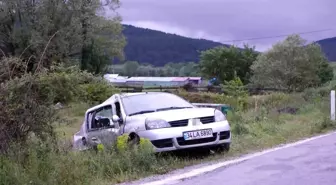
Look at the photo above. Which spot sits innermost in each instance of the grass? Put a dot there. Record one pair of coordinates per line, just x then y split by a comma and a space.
257, 128
72, 119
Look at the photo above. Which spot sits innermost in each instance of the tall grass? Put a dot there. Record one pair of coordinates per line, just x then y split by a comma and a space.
257, 127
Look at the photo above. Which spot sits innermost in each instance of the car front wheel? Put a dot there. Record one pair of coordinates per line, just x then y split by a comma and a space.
133, 140
222, 147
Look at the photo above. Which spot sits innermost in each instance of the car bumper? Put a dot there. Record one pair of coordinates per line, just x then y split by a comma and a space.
170, 139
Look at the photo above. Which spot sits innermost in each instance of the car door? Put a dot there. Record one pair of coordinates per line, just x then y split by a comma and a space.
101, 127
119, 110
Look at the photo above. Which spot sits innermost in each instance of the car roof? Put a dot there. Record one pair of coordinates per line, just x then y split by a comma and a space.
125, 95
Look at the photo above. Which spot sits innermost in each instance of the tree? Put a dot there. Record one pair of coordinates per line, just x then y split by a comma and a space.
291, 64
224, 62
235, 89
169, 71
131, 67
103, 34
44, 31
30, 27
189, 69
97, 60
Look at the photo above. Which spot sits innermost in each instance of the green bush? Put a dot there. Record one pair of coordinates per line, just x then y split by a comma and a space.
237, 122
122, 143
203, 97
26, 102
72, 84
25, 110
63, 86
237, 103
276, 101
97, 91
319, 93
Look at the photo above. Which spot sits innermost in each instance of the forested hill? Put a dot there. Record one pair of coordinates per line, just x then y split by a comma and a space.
158, 48
329, 48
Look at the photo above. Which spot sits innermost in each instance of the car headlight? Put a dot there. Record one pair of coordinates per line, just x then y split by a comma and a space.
219, 116
151, 123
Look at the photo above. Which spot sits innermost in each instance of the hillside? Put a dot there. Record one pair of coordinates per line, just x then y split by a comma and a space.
158, 48
329, 48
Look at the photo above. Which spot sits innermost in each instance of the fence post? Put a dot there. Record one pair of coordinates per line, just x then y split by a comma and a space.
332, 105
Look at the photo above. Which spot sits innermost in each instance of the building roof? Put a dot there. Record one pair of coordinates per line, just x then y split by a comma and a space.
154, 79
115, 78
195, 78
180, 79
111, 75
122, 79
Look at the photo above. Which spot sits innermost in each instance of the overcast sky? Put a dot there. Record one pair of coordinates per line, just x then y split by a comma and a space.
226, 20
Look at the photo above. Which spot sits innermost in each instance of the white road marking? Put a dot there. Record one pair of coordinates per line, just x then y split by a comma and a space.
177, 178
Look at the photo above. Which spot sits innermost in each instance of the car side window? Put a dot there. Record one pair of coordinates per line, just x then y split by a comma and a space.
100, 118
105, 112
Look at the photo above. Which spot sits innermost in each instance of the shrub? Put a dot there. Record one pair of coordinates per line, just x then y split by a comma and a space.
122, 143
237, 122
63, 86
322, 92
72, 84
97, 91
25, 109
293, 65
26, 102
236, 94
202, 97
276, 101
237, 103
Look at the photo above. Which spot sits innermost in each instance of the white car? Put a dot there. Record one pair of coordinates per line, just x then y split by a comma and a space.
167, 120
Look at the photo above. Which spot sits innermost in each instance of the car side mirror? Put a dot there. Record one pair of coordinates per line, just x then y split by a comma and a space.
115, 118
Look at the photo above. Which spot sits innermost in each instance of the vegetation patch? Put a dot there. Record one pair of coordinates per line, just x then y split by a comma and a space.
253, 130
52, 59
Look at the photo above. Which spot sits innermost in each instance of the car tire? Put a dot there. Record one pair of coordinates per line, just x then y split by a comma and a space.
226, 147
222, 147
133, 140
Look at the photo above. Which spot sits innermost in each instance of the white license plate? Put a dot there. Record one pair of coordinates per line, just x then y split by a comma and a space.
197, 134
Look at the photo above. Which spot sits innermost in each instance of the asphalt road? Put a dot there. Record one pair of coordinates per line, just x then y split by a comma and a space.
311, 163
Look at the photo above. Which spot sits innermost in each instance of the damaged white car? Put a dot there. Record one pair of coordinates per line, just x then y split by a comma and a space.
167, 120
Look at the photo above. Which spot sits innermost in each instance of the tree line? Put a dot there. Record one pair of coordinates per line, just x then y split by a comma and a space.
134, 68
291, 64
75, 32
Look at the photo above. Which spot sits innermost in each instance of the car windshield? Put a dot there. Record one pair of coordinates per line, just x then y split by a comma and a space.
151, 102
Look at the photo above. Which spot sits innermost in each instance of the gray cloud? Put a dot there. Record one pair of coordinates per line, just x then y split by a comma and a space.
225, 20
